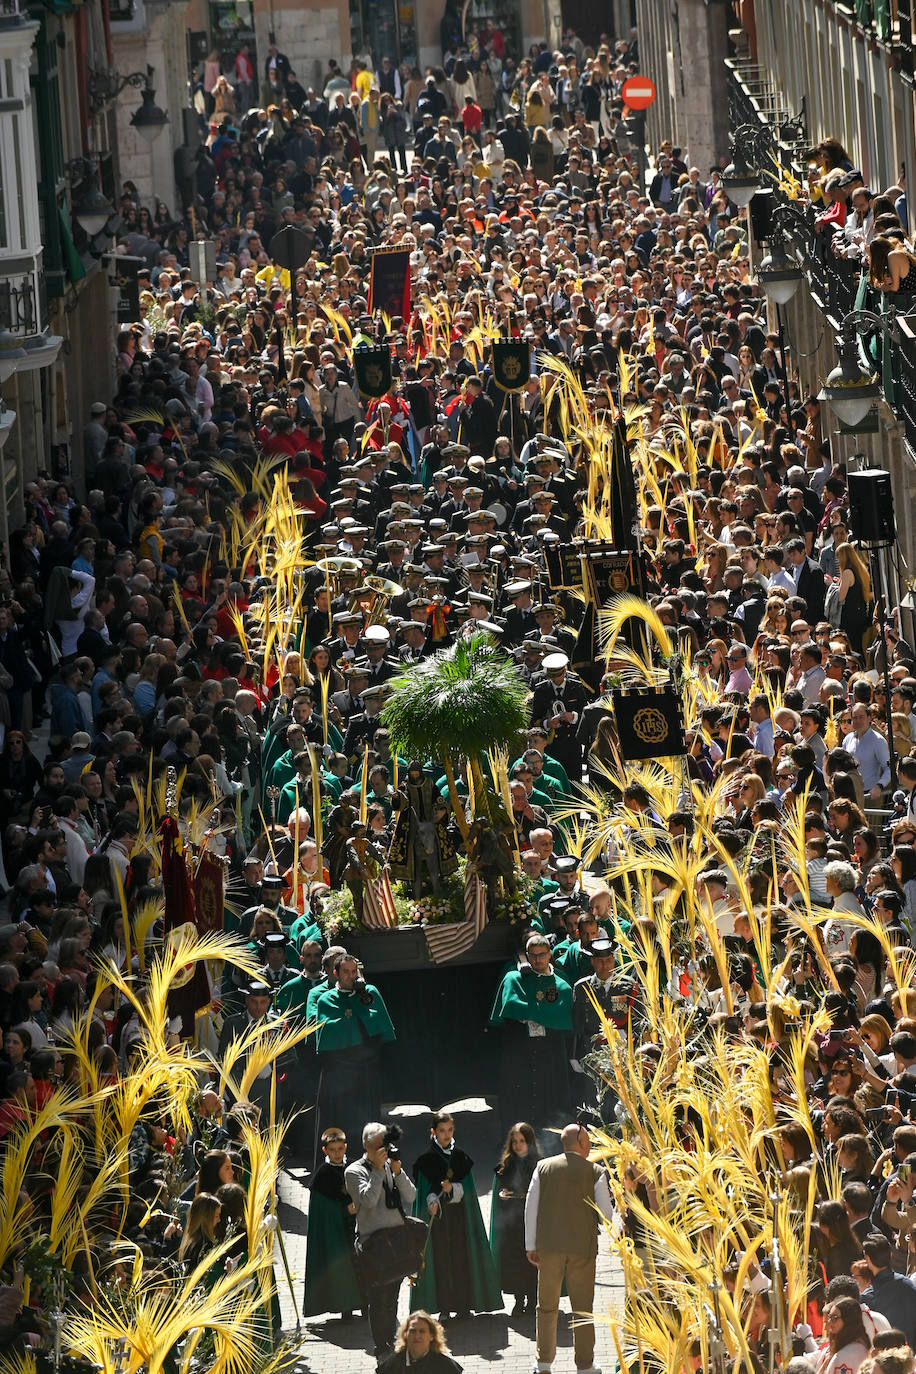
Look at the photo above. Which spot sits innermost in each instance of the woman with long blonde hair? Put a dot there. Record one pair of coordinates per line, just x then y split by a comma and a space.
199, 1229
295, 664
854, 592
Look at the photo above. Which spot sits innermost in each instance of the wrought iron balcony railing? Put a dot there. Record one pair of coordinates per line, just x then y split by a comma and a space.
838, 285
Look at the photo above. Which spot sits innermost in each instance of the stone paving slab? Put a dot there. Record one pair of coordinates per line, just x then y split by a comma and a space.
331, 1346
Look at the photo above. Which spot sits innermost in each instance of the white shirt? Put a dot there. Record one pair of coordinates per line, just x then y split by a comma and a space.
603, 1201
70, 630
782, 579
77, 853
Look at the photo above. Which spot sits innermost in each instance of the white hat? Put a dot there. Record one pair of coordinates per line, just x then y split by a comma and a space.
555, 663
376, 634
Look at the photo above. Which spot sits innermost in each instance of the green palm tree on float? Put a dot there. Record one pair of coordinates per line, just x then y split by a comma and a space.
457, 706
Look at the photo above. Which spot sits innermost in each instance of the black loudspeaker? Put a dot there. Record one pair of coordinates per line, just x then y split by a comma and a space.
761, 213
198, 45
871, 507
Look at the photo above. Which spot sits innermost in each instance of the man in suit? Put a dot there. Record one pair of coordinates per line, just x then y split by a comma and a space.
344, 647
519, 615
258, 997
362, 726
565, 1197
809, 579
557, 704
764, 374
415, 646
276, 66
617, 997
381, 665
349, 702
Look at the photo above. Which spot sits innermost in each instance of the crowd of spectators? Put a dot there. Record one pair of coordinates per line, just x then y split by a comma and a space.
129, 628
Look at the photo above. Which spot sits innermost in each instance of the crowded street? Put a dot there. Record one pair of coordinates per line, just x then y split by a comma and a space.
458, 690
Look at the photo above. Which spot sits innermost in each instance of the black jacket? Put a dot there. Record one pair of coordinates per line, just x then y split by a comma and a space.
813, 588
434, 1363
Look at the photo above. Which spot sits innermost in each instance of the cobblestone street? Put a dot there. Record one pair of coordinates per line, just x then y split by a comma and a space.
494, 1339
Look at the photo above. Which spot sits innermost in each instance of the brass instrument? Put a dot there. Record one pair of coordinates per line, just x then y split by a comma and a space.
382, 590
333, 567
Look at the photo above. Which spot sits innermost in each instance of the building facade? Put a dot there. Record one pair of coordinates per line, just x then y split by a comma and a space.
682, 49
819, 69
310, 33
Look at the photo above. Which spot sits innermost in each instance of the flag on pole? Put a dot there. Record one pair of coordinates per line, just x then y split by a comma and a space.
451, 941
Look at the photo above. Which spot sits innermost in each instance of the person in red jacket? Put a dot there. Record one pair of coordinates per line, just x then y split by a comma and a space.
282, 437
472, 118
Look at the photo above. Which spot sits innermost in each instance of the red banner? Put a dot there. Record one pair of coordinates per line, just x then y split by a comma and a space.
208, 894
389, 282
192, 995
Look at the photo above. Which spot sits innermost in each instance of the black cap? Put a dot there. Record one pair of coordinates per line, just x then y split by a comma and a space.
558, 905
258, 988
601, 947
273, 882
566, 863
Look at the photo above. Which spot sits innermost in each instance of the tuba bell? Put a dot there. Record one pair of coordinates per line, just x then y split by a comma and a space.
383, 590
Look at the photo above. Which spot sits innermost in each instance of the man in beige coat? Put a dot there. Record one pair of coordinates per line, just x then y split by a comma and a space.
566, 1198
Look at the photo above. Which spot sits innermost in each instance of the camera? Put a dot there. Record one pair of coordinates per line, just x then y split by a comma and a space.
390, 1141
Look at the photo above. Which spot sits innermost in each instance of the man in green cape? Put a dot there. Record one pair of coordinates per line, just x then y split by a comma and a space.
534, 1007
331, 1284
353, 1025
458, 1274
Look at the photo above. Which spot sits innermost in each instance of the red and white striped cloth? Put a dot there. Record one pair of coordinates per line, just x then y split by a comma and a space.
379, 911
449, 941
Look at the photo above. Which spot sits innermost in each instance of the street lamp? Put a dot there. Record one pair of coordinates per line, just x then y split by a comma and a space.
104, 87
779, 274
92, 210
148, 119
851, 389
11, 355
739, 183
753, 146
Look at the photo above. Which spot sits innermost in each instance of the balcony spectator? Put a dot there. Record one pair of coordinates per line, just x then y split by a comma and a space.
892, 269
834, 192
829, 154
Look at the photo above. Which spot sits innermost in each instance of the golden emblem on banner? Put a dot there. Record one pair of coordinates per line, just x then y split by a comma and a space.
650, 725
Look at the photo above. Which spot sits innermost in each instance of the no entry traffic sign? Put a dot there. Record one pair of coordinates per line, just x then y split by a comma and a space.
638, 92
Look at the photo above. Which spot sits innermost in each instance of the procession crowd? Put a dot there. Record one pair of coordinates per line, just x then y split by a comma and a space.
136, 615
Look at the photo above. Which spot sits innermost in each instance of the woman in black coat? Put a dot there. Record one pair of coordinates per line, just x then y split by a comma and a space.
420, 1346
517, 1275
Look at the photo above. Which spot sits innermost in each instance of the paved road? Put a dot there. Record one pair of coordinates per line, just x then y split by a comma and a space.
479, 1343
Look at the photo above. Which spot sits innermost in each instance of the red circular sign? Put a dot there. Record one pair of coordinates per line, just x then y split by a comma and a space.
638, 92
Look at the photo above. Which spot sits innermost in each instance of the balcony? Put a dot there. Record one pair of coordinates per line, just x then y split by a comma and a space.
838, 286
11, 16
888, 22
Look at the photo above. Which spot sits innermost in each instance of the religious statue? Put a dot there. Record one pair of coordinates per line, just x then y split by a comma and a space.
365, 860
422, 852
490, 857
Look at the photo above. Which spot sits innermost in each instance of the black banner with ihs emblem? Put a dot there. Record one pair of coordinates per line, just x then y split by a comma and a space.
373, 370
649, 724
511, 359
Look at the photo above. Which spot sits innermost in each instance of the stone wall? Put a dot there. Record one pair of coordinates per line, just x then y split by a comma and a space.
682, 47
308, 35
161, 44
